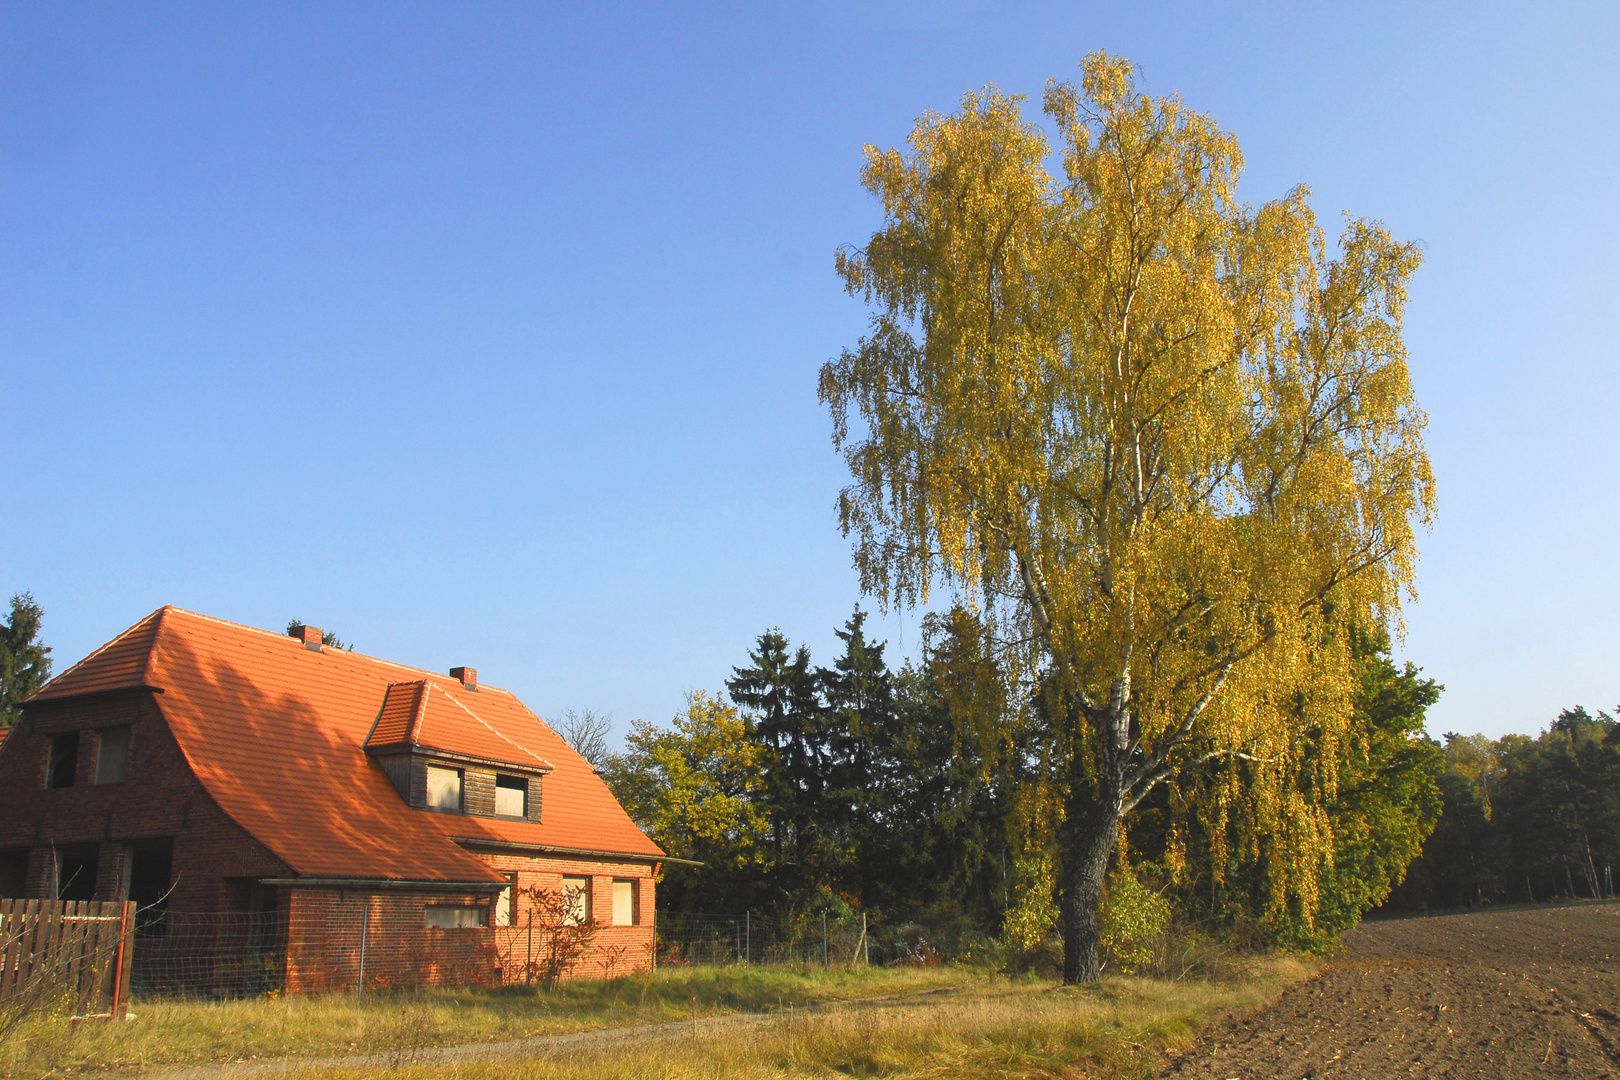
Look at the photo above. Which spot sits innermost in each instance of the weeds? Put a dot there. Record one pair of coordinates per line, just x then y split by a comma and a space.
169, 1032
995, 1029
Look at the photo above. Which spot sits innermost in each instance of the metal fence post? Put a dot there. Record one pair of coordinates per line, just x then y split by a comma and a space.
360, 980
823, 939
748, 937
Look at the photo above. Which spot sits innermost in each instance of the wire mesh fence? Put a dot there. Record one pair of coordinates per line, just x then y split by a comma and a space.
242, 954
750, 938
210, 954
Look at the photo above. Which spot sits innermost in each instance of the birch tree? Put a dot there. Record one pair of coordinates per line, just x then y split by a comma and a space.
1162, 441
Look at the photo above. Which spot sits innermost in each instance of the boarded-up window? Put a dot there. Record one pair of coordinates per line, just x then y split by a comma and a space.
624, 903
511, 796
444, 788
576, 900
449, 917
503, 902
112, 755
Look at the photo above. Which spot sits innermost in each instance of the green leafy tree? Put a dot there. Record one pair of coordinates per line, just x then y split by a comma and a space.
1556, 814
1459, 865
1382, 792
25, 663
697, 789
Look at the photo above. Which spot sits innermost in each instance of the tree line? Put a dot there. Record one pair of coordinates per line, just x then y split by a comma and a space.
931, 793
1525, 818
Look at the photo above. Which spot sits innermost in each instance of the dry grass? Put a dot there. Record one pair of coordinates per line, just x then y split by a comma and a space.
990, 1030
190, 1032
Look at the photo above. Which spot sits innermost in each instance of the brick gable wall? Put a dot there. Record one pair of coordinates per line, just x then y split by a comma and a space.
160, 799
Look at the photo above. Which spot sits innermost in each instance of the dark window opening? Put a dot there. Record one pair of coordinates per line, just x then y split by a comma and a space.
76, 875
14, 874
64, 762
266, 919
149, 874
511, 796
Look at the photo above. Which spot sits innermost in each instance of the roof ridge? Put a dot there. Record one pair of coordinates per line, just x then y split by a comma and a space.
427, 674
498, 734
414, 731
157, 641
136, 625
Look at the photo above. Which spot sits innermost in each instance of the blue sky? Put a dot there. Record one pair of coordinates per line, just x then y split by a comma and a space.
489, 335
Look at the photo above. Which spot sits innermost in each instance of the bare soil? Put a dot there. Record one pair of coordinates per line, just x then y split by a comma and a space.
1515, 993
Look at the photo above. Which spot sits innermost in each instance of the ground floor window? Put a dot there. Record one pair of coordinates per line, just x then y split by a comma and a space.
453, 916
503, 901
624, 903
13, 874
576, 900
76, 874
150, 871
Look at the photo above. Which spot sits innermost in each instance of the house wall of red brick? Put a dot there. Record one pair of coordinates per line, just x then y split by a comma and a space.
324, 941
160, 799
216, 864
612, 950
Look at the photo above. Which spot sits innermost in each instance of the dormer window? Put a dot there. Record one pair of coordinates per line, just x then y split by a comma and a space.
444, 789
511, 796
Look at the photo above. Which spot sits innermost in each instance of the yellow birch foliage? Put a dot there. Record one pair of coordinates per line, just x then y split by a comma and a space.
1163, 440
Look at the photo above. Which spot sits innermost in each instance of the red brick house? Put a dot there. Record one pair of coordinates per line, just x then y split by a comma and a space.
313, 814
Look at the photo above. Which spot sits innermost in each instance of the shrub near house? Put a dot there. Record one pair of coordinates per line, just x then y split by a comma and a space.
325, 809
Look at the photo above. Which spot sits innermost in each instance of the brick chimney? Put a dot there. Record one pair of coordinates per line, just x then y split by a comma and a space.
309, 635
468, 677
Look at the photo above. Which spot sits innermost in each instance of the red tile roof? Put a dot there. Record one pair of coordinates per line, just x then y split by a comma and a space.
425, 714
277, 734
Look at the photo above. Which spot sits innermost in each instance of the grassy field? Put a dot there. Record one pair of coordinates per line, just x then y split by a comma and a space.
189, 1032
992, 1029
986, 1026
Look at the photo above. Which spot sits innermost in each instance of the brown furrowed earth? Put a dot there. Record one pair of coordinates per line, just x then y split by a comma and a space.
1521, 993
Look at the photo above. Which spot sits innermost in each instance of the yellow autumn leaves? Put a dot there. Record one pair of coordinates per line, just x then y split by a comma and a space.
1164, 441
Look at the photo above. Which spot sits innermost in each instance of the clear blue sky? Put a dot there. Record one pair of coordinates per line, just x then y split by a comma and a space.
488, 334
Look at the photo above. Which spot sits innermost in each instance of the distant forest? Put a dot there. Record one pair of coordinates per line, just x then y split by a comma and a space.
1523, 819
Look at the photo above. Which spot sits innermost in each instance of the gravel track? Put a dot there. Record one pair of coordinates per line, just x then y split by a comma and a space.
1523, 993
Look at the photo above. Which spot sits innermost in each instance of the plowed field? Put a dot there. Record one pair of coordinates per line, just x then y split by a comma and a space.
1513, 994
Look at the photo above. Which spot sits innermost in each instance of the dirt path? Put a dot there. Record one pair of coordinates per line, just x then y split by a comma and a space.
1514, 994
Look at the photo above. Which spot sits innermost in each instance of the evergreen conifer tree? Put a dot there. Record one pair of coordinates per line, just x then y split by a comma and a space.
25, 663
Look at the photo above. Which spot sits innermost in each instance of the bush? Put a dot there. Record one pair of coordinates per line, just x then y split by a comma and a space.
1134, 922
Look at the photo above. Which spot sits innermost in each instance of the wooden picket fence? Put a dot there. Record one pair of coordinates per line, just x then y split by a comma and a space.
65, 956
